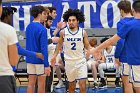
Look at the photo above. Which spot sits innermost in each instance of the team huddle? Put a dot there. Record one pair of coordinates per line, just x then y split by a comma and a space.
66, 46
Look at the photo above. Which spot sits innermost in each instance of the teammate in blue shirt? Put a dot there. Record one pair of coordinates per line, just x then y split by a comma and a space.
36, 40
7, 15
120, 52
131, 33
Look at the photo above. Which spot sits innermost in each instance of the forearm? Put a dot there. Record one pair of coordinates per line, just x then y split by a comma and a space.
24, 52
108, 42
13, 54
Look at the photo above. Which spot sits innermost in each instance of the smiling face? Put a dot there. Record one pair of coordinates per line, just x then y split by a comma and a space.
73, 22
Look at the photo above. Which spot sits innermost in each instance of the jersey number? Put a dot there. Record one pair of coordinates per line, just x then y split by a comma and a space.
110, 60
73, 46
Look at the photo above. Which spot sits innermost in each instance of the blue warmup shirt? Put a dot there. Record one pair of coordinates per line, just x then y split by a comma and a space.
131, 33
120, 51
24, 52
36, 40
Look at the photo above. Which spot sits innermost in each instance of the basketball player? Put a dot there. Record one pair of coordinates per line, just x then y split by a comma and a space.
36, 40
130, 32
120, 53
74, 39
8, 56
108, 64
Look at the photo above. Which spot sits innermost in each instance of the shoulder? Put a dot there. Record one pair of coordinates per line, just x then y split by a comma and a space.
6, 27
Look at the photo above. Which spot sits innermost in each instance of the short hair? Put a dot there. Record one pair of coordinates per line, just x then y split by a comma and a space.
51, 9
0, 2
35, 10
136, 6
93, 42
125, 6
104, 39
49, 18
6, 11
74, 12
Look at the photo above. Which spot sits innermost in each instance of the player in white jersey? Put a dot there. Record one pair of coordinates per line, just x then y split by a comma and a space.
109, 60
74, 39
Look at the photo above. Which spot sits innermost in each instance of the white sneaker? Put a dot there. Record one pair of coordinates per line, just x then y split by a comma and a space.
60, 85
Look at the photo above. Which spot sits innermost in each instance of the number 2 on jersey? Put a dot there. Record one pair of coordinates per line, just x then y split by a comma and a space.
73, 46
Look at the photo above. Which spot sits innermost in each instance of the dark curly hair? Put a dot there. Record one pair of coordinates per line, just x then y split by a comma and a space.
7, 11
37, 10
74, 12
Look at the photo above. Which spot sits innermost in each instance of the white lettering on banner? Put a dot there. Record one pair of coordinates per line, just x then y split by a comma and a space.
103, 14
25, 19
46, 5
16, 18
66, 7
86, 12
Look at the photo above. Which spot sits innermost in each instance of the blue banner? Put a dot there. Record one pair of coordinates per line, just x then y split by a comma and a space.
98, 13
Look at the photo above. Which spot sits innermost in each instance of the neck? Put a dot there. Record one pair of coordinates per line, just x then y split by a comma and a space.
137, 15
127, 15
74, 29
37, 20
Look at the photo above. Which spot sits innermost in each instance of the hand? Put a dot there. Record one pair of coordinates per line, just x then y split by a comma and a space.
47, 71
61, 25
96, 54
55, 39
53, 60
117, 62
39, 55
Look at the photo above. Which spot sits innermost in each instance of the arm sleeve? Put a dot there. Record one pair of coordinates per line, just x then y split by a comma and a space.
119, 47
12, 37
24, 52
44, 46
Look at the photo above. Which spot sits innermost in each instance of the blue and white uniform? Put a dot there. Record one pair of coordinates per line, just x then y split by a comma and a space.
73, 48
131, 33
109, 63
120, 52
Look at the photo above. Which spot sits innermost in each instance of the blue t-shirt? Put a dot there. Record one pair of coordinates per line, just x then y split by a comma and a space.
36, 40
120, 51
131, 33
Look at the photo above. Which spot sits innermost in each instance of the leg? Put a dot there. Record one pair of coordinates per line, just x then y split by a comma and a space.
31, 83
127, 86
101, 68
72, 86
49, 81
41, 84
94, 70
82, 84
137, 89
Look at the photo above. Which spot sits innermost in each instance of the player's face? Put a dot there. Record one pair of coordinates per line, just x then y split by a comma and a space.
0, 10
44, 16
53, 14
49, 23
73, 22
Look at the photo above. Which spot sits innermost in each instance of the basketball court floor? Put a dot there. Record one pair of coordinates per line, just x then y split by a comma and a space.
23, 89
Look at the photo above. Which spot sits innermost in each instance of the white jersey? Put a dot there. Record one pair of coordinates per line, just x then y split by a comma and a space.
73, 46
109, 56
48, 33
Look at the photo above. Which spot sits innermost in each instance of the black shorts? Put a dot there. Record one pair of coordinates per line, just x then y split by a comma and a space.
7, 84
